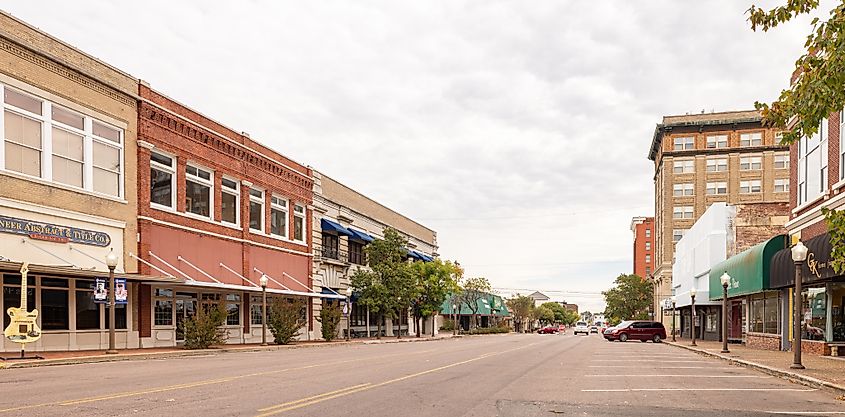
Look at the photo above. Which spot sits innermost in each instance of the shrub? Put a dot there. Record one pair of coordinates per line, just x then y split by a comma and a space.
203, 330
330, 319
489, 330
285, 320
448, 325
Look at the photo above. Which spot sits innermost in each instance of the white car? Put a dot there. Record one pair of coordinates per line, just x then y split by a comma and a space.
581, 327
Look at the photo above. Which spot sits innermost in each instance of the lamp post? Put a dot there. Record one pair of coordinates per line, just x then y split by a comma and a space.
692, 329
454, 320
799, 255
674, 301
349, 311
263, 283
726, 279
111, 262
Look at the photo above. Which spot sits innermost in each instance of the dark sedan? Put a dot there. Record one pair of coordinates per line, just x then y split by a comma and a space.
636, 330
548, 330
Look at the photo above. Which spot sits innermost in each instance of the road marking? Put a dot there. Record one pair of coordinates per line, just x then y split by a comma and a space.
281, 408
680, 376
700, 389
325, 394
659, 367
650, 360
806, 413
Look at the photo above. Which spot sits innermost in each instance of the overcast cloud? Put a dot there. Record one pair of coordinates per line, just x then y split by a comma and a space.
517, 130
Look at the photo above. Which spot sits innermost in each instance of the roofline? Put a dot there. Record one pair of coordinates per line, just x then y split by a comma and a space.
661, 128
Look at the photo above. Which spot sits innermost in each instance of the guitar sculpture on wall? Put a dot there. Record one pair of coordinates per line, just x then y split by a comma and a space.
23, 327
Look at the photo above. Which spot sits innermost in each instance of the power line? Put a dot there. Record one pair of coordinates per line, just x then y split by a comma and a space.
531, 216
551, 291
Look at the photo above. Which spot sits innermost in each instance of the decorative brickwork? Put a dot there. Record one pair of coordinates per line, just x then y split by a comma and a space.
763, 341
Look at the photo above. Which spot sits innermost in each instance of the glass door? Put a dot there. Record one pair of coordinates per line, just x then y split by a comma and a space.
186, 307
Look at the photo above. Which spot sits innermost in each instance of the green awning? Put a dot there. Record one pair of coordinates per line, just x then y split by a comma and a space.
749, 270
489, 305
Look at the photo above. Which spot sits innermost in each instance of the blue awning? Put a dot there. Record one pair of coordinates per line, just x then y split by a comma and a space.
426, 258
334, 227
360, 236
328, 291
416, 255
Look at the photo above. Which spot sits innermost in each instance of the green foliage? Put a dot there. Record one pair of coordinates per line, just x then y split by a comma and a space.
489, 330
836, 226
629, 299
388, 287
544, 314
472, 291
558, 310
448, 325
570, 318
329, 320
285, 320
521, 307
434, 282
203, 329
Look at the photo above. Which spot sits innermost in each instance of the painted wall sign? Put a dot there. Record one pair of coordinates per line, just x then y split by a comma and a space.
53, 232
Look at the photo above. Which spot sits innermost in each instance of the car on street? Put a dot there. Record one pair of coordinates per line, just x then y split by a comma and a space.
561, 328
642, 330
548, 330
581, 327
594, 329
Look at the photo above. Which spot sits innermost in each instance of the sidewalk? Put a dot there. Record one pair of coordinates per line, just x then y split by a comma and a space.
821, 371
95, 356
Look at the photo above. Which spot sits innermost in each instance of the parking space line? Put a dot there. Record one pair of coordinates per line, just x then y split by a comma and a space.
700, 389
807, 413
651, 360
659, 367
680, 376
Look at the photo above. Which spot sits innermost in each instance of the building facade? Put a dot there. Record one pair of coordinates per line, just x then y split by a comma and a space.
67, 187
702, 159
345, 221
643, 229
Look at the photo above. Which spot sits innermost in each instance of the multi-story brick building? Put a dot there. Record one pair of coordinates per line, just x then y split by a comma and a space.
67, 187
643, 229
705, 158
345, 221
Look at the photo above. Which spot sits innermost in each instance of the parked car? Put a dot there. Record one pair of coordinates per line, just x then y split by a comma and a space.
561, 329
547, 330
641, 330
581, 327
594, 329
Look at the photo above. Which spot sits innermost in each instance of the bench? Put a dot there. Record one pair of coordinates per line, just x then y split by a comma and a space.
834, 347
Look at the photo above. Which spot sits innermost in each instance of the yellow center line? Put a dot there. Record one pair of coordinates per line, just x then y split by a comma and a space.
293, 405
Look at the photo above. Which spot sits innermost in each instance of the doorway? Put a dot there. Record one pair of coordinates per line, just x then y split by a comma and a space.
186, 307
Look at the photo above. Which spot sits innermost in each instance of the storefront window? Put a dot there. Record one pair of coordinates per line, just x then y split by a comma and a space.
255, 309
163, 313
814, 313
233, 309
54, 309
837, 301
712, 322
87, 312
757, 310
764, 313
120, 316
771, 314
12, 295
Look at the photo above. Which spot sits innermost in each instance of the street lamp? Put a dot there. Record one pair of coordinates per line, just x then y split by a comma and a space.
674, 301
799, 255
399, 319
692, 329
349, 311
263, 282
111, 262
454, 320
726, 279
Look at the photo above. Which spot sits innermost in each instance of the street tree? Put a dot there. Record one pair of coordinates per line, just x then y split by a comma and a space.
472, 291
435, 281
586, 316
570, 318
558, 310
544, 314
629, 299
817, 89
521, 307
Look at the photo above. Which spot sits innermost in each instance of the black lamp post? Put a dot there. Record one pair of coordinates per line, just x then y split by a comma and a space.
726, 279
692, 329
799, 255
111, 262
263, 283
674, 301
348, 311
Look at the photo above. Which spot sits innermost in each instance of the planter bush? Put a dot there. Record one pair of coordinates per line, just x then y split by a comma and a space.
489, 330
285, 320
203, 330
330, 319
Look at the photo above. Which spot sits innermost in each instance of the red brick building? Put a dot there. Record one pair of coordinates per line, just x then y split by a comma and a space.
218, 211
643, 229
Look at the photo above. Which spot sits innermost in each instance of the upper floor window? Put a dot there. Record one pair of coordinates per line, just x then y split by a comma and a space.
682, 212
684, 189
752, 186
648, 246
648, 259
279, 216
683, 166
717, 164
751, 139
162, 178
717, 141
256, 210
677, 234
198, 185
330, 245
782, 160
782, 185
230, 201
45, 140
812, 164
717, 188
684, 143
299, 222
647, 232
356, 252
750, 163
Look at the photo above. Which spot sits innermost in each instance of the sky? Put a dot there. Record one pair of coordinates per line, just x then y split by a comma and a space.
518, 131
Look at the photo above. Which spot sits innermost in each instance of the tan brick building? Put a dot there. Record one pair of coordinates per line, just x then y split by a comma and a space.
705, 158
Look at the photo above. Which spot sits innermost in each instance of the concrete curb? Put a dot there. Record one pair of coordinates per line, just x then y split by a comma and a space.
202, 352
780, 373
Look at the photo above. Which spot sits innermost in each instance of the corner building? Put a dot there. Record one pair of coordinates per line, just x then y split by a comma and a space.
702, 159
216, 212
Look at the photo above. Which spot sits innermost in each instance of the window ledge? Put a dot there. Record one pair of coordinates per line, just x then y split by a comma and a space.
808, 203
63, 186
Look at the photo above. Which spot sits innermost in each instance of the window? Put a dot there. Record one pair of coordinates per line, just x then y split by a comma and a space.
256, 210
682, 144
812, 164
330, 245
163, 307
12, 294
717, 164
648, 270
717, 188
747, 163
648, 246
717, 141
162, 177
233, 309
683, 166
751, 139
198, 185
356, 252
682, 212
677, 234
299, 222
647, 232
782, 185
781, 161
681, 190
55, 311
87, 311
279, 216
752, 186
814, 302
764, 313
230, 201
648, 259
255, 306
32, 126
711, 322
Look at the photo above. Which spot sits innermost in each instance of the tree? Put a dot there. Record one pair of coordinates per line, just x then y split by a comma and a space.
521, 307
570, 318
434, 281
586, 316
472, 291
545, 314
558, 310
285, 319
329, 319
817, 90
629, 299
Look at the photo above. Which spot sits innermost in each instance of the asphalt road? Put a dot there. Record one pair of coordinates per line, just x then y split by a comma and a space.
507, 375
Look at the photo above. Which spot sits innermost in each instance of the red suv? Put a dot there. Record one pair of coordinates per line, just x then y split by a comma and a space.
636, 330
